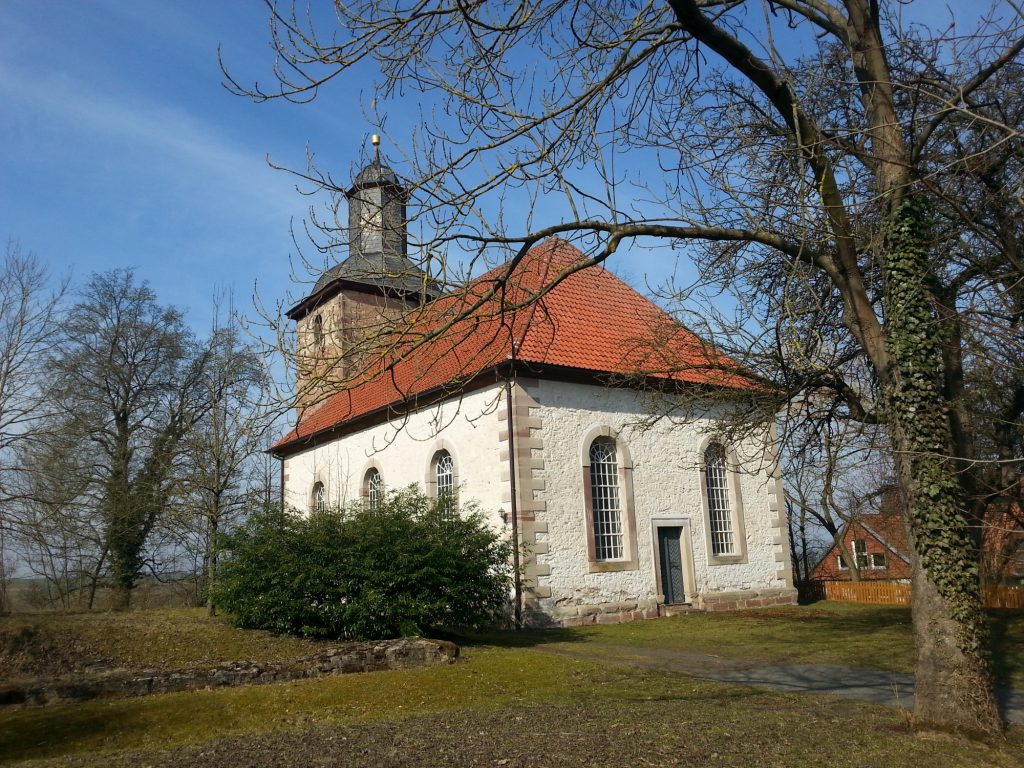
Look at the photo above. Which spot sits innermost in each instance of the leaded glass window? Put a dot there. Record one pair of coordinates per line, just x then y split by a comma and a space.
374, 488
319, 497
444, 475
716, 476
606, 506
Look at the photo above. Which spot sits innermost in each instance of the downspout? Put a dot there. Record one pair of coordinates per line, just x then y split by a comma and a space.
517, 582
281, 459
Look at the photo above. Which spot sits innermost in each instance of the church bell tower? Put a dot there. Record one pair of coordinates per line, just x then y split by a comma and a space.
376, 214
358, 299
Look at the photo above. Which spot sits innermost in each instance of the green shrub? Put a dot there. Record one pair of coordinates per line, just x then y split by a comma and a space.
404, 568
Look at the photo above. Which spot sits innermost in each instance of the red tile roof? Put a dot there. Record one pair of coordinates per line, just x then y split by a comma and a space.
589, 320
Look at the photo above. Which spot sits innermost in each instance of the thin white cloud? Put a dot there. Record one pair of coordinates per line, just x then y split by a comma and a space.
175, 140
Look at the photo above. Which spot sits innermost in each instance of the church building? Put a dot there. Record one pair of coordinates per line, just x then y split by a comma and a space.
540, 407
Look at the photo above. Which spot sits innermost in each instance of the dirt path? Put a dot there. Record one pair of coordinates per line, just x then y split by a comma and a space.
873, 685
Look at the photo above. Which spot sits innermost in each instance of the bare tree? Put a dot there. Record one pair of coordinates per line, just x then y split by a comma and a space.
59, 536
29, 309
800, 145
127, 378
834, 475
221, 447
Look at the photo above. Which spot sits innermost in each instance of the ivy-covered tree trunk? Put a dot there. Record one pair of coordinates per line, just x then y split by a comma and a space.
118, 513
212, 554
133, 506
953, 676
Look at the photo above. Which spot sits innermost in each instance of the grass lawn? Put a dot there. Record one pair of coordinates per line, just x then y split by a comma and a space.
509, 704
849, 634
51, 644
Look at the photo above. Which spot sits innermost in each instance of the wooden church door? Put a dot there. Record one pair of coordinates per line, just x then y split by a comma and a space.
671, 556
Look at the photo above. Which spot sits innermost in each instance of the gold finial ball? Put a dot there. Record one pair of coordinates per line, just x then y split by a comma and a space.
375, 140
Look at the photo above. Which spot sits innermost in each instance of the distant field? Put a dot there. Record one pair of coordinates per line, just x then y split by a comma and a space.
507, 703
31, 595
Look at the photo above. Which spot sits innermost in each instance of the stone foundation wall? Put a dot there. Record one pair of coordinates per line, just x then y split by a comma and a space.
354, 657
598, 613
754, 598
635, 610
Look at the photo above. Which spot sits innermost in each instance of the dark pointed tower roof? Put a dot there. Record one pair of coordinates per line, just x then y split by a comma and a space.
378, 243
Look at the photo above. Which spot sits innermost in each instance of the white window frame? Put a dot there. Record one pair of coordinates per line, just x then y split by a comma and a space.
606, 501
627, 559
318, 497
430, 476
860, 554
727, 487
444, 473
716, 469
373, 487
442, 484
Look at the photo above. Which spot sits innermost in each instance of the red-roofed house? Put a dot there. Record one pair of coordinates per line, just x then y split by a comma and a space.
535, 408
879, 543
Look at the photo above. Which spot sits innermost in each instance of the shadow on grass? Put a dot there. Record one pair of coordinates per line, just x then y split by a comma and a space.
39, 735
510, 638
855, 617
82, 731
1007, 631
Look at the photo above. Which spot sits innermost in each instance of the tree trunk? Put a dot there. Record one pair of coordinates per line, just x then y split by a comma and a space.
798, 578
804, 555
124, 570
850, 553
121, 597
94, 581
953, 676
211, 566
5, 606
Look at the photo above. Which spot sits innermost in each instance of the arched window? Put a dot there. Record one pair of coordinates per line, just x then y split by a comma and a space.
373, 488
318, 333
604, 494
444, 477
719, 513
318, 498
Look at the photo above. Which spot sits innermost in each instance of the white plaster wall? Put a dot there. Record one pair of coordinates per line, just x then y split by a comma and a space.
403, 449
666, 484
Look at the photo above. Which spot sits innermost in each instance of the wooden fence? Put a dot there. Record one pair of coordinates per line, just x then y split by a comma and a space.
896, 593
1003, 597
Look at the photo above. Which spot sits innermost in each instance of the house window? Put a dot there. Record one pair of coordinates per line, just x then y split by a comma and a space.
604, 494
860, 553
373, 488
719, 511
873, 561
318, 498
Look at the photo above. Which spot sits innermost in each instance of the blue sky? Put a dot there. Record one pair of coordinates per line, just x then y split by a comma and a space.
119, 146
